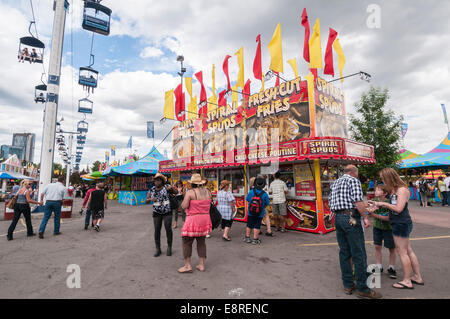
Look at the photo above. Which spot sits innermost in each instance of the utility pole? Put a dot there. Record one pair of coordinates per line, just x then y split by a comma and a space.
51, 107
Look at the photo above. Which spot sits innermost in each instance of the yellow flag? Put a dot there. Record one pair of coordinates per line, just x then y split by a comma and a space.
169, 112
212, 101
214, 82
311, 102
341, 58
234, 95
192, 108
188, 82
293, 64
276, 53
315, 49
240, 57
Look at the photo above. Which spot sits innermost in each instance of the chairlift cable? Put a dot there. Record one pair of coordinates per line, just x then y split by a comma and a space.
35, 28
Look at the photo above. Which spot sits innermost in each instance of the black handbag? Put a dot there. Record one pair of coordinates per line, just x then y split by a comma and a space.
216, 217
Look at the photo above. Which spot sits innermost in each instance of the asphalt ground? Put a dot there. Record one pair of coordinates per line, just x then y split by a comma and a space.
118, 261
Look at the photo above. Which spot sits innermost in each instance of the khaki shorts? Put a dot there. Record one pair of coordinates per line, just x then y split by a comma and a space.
279, 209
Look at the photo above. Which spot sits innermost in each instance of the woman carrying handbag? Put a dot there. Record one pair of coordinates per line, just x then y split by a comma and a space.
22, 206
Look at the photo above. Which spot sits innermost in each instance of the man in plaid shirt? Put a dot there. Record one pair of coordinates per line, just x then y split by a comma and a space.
346, 202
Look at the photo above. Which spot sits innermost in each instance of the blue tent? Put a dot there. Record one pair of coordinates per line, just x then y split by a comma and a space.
147, 165
437, 157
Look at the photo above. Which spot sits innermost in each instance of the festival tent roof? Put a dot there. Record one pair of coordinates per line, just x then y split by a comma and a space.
149, 164
405, 154
437, 157
13, 175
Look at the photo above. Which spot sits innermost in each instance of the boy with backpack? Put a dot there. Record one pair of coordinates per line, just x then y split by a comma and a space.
257, 200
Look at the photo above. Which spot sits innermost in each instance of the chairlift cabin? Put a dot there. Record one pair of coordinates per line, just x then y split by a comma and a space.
39, 93
31, 49
88, 77
96, 18
85, 106
82, 127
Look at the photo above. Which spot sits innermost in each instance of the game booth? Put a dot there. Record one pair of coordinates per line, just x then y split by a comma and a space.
132, 180
295, 128
429, 165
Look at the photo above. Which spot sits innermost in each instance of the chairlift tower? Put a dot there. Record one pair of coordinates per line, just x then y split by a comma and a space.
51, 106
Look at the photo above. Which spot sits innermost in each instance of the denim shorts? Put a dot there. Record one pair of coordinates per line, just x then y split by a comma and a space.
254, 222
380, 234
402, 229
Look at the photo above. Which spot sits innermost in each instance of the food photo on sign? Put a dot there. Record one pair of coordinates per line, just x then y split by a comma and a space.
330, 110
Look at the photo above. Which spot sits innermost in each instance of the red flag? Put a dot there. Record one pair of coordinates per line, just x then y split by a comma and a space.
277, 81
203, 100
222, 99
246, 91
329, 53
257, 70
225, 70
179, 103
314, 72
305, 23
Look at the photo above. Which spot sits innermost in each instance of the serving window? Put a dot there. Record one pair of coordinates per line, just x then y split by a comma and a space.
237, 179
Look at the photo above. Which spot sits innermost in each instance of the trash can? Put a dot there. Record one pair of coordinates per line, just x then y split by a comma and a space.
66, 209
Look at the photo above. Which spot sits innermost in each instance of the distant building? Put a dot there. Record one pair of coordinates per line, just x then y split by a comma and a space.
7, 150
22, 146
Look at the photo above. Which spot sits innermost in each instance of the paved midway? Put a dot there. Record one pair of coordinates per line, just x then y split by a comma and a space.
118, 262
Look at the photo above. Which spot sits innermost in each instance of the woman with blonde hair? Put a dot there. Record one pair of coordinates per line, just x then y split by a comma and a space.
196, 202
22, 206
401, 223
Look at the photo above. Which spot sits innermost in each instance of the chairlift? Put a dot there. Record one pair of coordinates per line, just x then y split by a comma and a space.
85, 106
31, 49
82, 127
96, 18
39, 93
88, 77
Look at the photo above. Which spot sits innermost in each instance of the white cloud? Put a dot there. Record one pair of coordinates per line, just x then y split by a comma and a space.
151, 52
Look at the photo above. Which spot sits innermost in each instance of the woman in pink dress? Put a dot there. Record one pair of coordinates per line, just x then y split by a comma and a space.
196, 202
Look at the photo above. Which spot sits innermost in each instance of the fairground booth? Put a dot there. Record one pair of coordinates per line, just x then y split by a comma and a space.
428, 166
132, 180
298, 127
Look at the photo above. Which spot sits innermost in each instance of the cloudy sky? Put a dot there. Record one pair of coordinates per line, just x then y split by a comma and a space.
408, 53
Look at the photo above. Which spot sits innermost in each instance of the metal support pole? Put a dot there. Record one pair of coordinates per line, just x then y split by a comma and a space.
69, 164
51, 107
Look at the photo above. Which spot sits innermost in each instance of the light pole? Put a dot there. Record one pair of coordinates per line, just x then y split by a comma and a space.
180, 59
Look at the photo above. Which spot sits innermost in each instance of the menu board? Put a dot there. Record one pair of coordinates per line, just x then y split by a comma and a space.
304, 180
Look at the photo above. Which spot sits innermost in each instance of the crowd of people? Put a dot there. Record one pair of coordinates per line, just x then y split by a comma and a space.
392, 223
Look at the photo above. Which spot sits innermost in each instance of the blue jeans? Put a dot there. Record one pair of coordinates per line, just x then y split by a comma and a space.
351, 246
48, 209
88, 217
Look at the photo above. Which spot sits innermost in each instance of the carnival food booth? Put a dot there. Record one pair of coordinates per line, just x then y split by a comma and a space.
132, 179
279, 129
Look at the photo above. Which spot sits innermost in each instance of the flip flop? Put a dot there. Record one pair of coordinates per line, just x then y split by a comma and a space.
200, 269
185, 271
417, 283
403, 286
226, 239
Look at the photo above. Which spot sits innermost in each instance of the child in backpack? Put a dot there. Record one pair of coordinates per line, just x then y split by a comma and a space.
257, 200
382, 230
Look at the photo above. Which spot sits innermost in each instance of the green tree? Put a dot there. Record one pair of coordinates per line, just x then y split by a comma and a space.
95, 166
375, 125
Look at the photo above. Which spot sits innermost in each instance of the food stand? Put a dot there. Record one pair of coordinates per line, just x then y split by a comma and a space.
132, 179
298, 128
